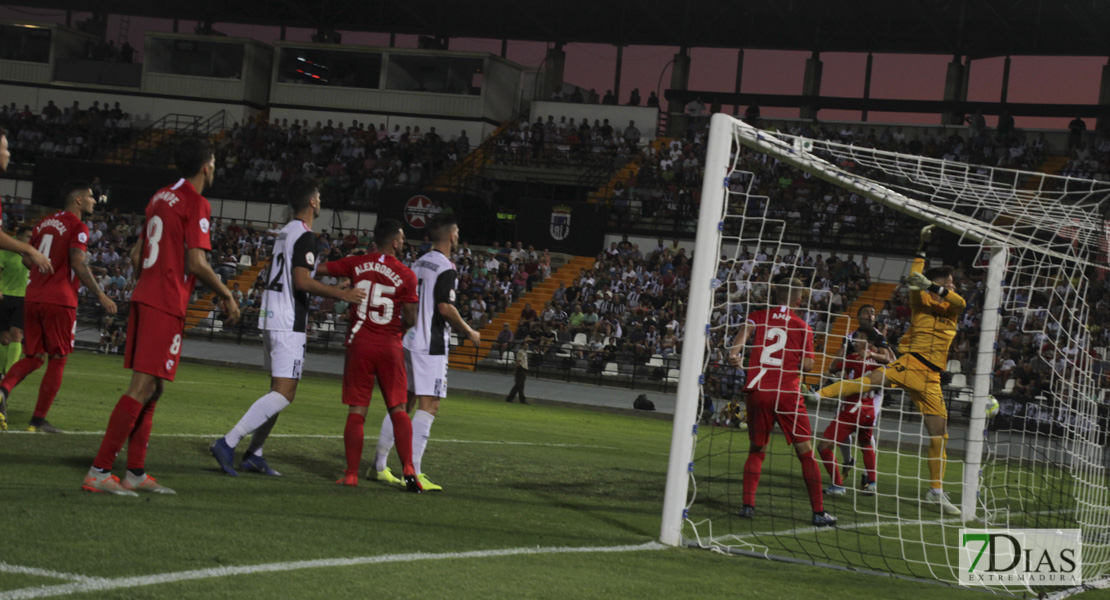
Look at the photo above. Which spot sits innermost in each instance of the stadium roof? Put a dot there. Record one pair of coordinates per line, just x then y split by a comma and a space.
977, 28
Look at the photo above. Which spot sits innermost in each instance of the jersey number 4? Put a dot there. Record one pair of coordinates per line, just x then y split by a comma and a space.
773, 342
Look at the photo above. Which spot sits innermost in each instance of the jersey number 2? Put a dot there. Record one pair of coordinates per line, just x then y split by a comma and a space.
773, 342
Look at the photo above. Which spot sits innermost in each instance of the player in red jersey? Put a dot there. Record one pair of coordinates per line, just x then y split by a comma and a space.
857, 415
374, 344
782, 349
170, 256
50, 306
7, 242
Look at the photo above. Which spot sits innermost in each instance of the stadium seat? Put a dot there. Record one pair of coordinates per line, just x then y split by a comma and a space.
1009, 387
959, 381
217, 326
954, 366
245, 262
611, 370
454, 339
580, 340
655, 361
509, 357
672, 376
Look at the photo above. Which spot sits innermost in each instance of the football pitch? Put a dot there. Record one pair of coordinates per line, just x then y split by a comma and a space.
538, 502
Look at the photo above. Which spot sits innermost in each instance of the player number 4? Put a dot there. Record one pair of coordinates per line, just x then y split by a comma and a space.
45, 244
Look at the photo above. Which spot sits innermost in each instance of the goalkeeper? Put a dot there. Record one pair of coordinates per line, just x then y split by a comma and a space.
936, 308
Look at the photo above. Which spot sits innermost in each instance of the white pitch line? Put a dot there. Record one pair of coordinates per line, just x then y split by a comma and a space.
21, 570
101, 585
321, 436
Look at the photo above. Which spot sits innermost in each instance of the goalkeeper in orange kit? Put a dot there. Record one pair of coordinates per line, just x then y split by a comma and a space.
936, 308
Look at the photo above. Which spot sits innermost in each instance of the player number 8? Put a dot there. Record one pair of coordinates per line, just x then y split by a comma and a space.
153, 236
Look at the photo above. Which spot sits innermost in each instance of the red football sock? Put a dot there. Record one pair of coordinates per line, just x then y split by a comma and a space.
829, 458
352, 442
21, 369
51, 383
140, 438
120, 425
753, 467
402, 438
812, 475
869, 462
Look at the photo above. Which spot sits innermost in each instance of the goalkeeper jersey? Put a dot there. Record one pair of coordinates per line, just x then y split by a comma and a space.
14, 278
933, 324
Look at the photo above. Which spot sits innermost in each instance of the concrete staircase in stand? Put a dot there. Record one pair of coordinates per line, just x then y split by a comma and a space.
833, 341
465, 356
199, 310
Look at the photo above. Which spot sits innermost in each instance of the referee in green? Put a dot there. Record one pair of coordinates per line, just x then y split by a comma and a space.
14, 276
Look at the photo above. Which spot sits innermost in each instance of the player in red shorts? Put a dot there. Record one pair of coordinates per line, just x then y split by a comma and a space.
50, 306
857, 416
171, 255
374, 345
782, 349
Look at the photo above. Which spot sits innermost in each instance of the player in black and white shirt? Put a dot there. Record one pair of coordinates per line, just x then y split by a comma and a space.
283, 319
427, 342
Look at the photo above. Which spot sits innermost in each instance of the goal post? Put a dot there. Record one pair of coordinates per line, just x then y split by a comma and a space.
1037, 241
690, 378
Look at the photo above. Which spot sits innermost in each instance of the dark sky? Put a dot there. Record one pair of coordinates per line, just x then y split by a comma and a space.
1032, 79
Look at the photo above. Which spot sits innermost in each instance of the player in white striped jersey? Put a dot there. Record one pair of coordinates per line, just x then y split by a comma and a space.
427, 342
283, 319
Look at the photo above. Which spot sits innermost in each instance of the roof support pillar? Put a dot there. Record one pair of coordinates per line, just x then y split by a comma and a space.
955, 90
553, 70
811, 85
867, 85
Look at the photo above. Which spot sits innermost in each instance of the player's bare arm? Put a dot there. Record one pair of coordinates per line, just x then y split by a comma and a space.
451, 314
196, 261
734, 353
78, 261
409, 313
303, 281
31, 257
136, 256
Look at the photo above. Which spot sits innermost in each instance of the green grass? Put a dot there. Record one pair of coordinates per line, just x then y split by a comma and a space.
572, 478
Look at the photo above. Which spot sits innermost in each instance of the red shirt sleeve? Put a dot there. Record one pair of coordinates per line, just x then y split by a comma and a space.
341, 267
407, 293
197, 224
80, 237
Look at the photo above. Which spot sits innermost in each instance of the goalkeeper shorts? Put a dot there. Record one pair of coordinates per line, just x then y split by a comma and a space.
921, 382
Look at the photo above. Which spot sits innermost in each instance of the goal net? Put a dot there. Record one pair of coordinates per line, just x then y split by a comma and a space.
842, 220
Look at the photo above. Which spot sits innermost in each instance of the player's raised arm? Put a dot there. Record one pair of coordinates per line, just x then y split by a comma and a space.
196, 261
78, 261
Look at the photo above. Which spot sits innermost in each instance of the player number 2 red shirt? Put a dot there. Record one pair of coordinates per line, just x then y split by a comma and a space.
781, 341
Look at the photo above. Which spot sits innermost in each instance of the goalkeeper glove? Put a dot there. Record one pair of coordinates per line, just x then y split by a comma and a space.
918, 282
874, 336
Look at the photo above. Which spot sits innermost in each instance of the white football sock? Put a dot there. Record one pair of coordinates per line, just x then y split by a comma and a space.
421, 429
385, 444
261, 411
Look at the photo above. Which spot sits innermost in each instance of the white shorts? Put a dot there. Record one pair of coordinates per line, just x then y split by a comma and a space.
283, 353
427, 373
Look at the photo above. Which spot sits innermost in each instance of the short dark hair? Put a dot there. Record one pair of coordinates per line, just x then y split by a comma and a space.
300, 193
385, 230
863, 308
938, 273
439, 226
71, 188
191, 155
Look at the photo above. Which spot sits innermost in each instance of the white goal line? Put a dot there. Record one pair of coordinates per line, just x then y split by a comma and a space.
86, 585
